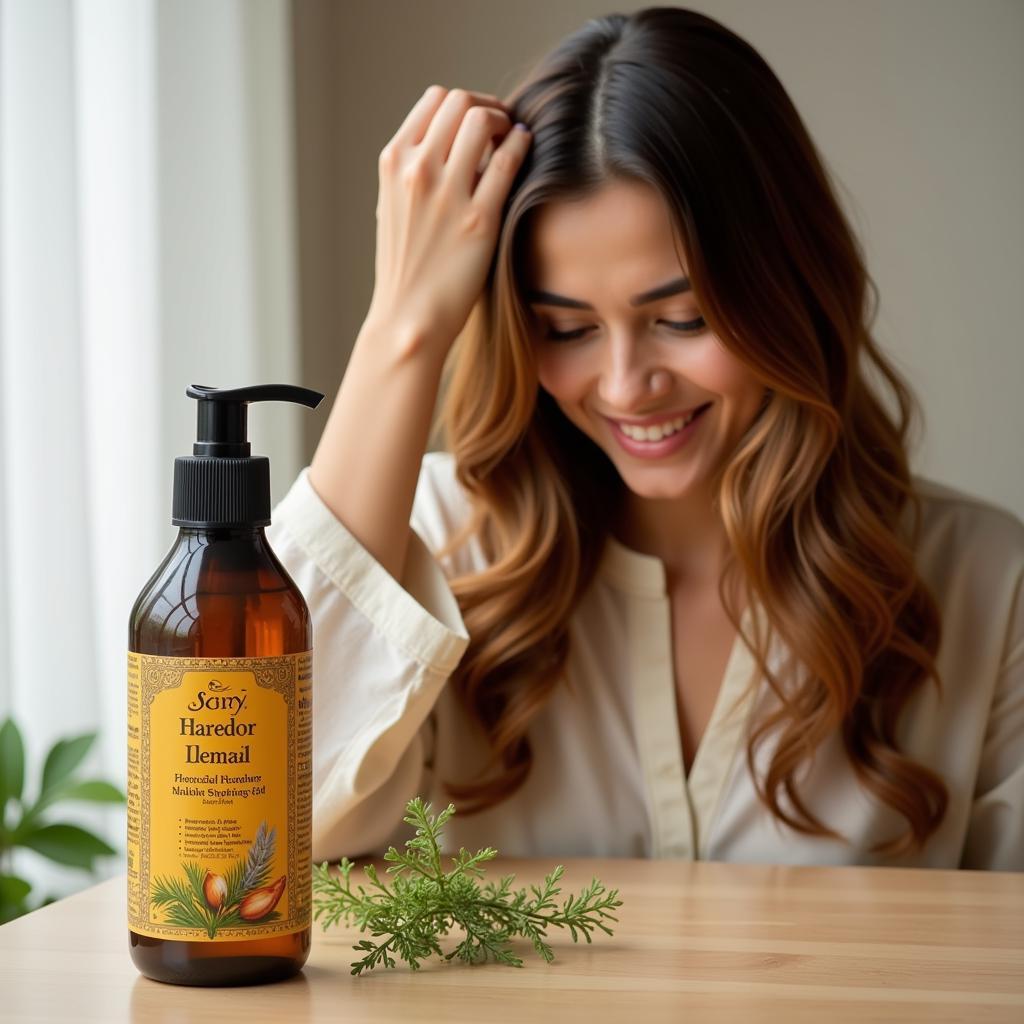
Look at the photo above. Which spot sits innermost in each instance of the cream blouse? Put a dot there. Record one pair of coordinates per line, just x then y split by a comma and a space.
608, 777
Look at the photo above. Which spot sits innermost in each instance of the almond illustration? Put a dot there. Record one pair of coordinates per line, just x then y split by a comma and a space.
261, 902
215, 889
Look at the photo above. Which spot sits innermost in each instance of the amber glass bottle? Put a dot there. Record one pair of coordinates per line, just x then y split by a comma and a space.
220, 727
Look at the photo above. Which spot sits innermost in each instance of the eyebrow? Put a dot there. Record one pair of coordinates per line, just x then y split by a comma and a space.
679, 285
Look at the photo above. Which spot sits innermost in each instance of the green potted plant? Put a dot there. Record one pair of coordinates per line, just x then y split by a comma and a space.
26, 824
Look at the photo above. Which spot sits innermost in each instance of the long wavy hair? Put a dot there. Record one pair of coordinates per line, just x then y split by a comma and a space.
813, 495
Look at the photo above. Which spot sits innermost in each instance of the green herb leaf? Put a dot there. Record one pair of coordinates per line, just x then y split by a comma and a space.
12, 764
180, 902
65, 844
424, 902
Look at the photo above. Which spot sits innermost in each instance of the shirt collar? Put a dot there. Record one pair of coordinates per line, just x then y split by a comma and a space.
637, 573
632, 570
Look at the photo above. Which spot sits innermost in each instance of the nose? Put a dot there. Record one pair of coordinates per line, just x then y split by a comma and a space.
630, 378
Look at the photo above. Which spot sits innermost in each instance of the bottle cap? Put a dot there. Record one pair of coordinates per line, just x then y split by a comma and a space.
221, 484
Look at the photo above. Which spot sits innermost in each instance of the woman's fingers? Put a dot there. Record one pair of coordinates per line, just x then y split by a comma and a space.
414, 127
479, 127
435, 234
446, 122
417, 121
501, 169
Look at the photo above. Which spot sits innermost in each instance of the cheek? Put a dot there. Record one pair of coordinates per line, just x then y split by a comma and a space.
561, 375
743, 393
566, 380
725, 375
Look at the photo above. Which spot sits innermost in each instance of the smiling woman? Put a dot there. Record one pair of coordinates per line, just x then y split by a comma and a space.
641, 367
672, 590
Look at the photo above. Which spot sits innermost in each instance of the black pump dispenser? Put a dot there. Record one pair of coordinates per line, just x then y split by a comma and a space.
221, 484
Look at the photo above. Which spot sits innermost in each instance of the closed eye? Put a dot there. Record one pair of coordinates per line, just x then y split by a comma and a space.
686, 327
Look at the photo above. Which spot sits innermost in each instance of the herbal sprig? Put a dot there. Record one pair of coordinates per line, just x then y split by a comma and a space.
423, 902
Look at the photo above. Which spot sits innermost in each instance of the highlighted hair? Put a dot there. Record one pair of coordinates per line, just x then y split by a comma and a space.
815, 495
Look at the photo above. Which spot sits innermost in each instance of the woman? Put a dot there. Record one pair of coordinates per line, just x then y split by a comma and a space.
671, 589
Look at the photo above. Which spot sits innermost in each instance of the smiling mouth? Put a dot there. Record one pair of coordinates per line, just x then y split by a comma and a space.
661, 429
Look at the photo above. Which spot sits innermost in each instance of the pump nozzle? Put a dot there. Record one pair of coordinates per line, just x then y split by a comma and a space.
221, 483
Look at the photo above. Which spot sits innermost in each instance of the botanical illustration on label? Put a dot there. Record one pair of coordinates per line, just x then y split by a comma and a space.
211, 901
219, 796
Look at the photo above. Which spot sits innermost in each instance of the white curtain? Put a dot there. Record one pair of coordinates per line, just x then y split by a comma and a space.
146, 243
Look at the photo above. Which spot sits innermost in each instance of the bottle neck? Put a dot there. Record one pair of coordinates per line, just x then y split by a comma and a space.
225, 560
209, 534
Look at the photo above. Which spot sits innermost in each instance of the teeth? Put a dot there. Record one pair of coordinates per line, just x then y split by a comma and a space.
656, 433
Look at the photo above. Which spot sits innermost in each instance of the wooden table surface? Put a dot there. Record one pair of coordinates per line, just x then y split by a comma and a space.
694, 942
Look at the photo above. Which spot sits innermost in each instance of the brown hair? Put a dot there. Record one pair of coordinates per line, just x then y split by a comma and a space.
813, 495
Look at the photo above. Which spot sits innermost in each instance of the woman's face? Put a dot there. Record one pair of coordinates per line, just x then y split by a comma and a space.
633, 361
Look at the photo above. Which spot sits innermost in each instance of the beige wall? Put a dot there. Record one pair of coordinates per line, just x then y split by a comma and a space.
914, 104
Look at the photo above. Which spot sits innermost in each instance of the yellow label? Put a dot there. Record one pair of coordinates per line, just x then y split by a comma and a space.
219, 796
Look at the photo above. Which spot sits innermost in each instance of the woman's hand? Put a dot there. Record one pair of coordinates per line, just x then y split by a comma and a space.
438, 216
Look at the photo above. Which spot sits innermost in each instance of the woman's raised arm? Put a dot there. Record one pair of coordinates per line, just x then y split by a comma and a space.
438, 218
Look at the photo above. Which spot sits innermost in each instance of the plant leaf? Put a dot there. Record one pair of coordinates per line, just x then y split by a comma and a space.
65, 844
64, 757
13, 889
195, 877
95, 790
12, 764
13, 894
171, 890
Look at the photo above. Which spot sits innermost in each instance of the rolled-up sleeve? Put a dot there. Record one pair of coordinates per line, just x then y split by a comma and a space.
383, 650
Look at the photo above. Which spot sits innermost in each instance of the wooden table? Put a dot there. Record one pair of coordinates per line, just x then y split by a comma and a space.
694, 942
